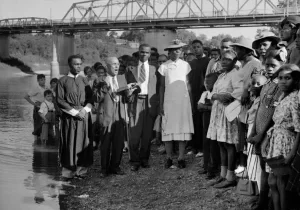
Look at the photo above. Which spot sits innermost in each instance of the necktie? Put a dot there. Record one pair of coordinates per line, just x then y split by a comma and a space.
114, 84
142, 76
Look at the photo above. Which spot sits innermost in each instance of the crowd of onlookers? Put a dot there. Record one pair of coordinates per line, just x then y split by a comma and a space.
237, 107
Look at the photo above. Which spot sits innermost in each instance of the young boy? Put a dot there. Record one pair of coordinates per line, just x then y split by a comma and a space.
53, 87
35, 97
47, 113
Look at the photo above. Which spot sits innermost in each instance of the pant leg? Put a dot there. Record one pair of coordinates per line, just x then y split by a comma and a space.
117, 145
206, 141
45, 133
136, 128
146, 138
215, 157
105, 149
196, 142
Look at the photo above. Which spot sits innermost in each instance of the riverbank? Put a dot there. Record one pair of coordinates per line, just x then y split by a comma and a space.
153, 188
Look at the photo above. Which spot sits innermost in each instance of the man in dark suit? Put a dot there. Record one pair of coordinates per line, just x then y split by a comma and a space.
142, 109
111, 95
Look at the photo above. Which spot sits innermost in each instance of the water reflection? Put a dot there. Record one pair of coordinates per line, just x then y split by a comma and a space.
29, 178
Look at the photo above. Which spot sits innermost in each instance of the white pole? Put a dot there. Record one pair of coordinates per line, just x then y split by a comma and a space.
54, 71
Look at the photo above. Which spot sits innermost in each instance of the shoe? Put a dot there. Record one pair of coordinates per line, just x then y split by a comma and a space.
80, 176
225, 184
117, 171
66, 179
102, 175
202, 171
134, 168
181, 164
216, 181
240, 169
199, 154
145, 165
168, 163
210, 175
125, 150
190, 153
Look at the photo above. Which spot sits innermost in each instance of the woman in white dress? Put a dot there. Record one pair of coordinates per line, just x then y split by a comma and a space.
175, 103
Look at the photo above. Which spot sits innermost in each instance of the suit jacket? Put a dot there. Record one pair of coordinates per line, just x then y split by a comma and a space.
107, 105
153, 98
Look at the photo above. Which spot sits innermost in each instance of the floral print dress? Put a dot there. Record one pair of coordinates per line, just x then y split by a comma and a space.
287, 124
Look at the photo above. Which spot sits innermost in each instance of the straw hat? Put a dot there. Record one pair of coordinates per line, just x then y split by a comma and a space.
175, 44
264, 35
244, 42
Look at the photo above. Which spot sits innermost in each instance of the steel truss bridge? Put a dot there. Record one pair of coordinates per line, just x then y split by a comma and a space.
96, 15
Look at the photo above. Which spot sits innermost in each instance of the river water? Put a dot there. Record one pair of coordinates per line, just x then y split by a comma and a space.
29, 174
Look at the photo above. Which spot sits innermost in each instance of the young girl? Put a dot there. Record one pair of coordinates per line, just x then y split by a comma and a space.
284, 135
47, 113
263, 119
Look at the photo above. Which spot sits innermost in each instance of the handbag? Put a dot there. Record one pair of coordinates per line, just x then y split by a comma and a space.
246, 186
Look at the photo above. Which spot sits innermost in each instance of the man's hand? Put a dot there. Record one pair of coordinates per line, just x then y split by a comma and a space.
225, 98
256, 139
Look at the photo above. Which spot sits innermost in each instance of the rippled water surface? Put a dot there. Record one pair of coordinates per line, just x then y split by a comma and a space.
29, 173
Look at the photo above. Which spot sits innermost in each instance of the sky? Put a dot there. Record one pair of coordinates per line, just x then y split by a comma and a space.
56, 9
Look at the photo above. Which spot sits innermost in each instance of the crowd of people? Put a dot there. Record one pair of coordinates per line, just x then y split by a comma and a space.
238, 107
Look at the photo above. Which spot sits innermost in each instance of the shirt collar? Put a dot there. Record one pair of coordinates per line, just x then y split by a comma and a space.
72, 75
145, 63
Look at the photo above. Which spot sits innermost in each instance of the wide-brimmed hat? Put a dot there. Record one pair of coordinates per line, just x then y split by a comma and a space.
264, 35
293, 19
244, 42
175, 44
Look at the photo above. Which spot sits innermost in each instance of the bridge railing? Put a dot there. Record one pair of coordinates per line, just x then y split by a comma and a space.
38, 22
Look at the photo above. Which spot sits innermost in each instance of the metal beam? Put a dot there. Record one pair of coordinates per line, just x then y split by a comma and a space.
166, 7
255, 6
241, 7
222, 7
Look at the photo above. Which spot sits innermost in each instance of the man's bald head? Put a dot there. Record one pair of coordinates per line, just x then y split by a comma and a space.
113, 65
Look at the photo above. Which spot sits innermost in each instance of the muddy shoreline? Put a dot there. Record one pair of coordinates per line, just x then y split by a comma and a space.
152, 188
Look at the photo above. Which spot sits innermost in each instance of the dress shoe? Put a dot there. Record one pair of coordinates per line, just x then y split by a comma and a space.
78, 176
202, 171
168, 163
181, 164
216, 181
145, 165
134, 168
66, 179
225, 184
117, 171
103, 175
210, 175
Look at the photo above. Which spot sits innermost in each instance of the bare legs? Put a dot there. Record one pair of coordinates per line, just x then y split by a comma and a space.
277, 185
169, 149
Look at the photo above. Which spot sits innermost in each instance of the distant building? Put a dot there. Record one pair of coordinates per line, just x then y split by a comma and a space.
121, 41
133, 45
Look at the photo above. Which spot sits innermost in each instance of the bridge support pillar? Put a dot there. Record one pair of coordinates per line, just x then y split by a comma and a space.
4, 46
63, 47
159, 38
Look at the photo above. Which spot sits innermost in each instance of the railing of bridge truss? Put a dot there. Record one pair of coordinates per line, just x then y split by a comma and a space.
19, 22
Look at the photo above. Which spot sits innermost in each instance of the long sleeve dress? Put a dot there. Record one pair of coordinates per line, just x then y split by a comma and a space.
76, 147
220, 128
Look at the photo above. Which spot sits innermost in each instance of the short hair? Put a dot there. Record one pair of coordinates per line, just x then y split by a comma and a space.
53, 80
207, 49
99, 68
155, 55
86, 69
154, 49
197, 41
97, 64
40, 76
135, 54
163, 55
191, 54
216, 50
48, 92
295, 74
144, 45
227, 39
71, 57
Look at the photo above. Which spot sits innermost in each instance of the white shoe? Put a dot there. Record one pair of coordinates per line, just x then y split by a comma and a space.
199, 154
239, 170
190, 153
